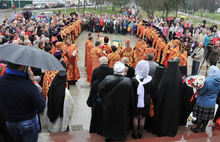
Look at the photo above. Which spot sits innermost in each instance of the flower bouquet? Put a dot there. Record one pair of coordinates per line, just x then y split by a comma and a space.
196, 81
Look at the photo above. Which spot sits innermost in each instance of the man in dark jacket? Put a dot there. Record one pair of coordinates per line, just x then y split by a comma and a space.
215, 52
117, 92
31, 38
6, 37
20, 104
94, 99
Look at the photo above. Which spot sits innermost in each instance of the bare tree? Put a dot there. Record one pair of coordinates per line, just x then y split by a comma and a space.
84, 3
101, 6
105, 6
78, 4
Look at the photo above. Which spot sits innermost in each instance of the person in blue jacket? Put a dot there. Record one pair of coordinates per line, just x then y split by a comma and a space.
206, 41
205, 106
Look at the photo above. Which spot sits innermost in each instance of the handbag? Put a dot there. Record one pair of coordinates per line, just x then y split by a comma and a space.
151, 109
217, 125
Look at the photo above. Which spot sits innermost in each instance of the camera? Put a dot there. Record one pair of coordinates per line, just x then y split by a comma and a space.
193, 55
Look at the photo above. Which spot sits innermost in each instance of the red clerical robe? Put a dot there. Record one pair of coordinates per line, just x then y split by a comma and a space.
151, 50
183, 58
171, 53
113, 58
95, 54
128, 52
107, 49
136, 53
72, 67
48, 78
90, 46
86, 52
142, 53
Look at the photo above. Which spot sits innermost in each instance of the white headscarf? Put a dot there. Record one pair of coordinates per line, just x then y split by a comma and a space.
214, 71
142, 69
119, 68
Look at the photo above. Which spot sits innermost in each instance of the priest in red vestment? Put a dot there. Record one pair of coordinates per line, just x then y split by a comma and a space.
95, 54
71, 52
128, 52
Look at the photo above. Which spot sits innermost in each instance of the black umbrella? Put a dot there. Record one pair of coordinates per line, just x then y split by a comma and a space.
29, 56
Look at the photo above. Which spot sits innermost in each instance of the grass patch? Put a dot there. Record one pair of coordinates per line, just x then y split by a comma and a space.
196, 20
97, 11
208, 15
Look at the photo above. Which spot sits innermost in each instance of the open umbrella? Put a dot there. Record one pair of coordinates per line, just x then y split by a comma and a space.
15, 16
29, 56
41, 21
42, 16
183, 17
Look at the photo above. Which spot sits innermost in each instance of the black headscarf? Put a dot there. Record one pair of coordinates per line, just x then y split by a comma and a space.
183, 70
168, 99
56, 96
187, 93
160, 70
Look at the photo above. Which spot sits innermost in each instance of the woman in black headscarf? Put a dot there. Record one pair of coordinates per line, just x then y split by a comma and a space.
186, 102
156, 80
168, 100
160, 70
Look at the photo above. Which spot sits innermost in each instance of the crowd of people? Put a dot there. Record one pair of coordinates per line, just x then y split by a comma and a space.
131, 87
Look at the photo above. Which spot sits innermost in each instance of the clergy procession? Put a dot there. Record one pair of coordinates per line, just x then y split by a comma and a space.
155, 85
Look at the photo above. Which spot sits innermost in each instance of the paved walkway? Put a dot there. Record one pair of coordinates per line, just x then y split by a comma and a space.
207, 19
80, 91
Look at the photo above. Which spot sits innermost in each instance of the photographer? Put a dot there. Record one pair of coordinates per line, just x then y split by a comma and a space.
197, 56
214, 54
208, 48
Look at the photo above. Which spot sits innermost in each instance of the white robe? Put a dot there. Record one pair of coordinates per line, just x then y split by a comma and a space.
60, 124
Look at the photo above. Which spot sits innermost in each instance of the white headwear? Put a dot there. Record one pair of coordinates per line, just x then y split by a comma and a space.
142, 69
119, 68
214, 71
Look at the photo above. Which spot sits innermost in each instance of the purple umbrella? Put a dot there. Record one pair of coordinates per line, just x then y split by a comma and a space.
42, 16
13, 17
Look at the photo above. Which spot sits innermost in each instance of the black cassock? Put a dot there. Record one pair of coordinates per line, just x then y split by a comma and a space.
149, 121
96, 26
94, 101
106, 26
186, 105
117, 92
168, 100
91, 24
56, 95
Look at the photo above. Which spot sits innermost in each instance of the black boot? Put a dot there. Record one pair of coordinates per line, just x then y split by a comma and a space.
134, 135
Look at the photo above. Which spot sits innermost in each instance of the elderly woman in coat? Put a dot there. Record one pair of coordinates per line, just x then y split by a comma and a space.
205, 106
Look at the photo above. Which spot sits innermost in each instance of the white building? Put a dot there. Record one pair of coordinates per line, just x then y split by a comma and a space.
54, 1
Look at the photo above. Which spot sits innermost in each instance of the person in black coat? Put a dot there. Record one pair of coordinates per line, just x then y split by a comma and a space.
97, 25
117, 93
111, 26
167, 114
94, 99
31, 38
91, 24
142, 85
186, 103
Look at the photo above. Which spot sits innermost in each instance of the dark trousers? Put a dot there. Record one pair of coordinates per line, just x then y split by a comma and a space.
213, 63
124, 31
195, 67
3, 129
100, 28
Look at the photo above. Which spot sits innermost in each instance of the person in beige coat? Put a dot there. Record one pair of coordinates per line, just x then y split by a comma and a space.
202, 36
197, 56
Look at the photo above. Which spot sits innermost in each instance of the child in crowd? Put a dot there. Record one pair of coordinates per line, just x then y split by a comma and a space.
120, 29
129, 29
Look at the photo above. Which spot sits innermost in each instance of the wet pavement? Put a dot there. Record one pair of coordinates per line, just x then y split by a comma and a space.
80, 91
